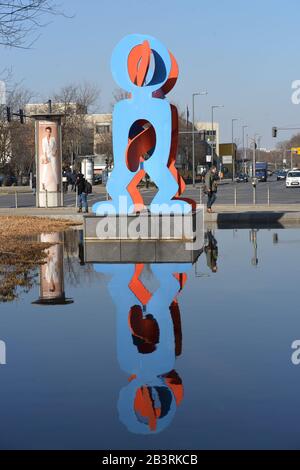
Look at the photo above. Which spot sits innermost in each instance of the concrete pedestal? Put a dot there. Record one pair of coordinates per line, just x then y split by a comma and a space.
144, 226
143, 238
49, 199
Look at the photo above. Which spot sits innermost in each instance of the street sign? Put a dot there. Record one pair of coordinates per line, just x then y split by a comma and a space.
227, 159
295, 150
208, 158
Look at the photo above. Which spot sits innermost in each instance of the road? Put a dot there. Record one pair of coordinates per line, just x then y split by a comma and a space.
279, 194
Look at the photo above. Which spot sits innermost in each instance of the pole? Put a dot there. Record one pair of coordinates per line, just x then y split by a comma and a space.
247, 146
243, 144
253, 169
254, 157
233, 150
187, 140
244, 150
193, 130
258, 148
212, 135
193, 158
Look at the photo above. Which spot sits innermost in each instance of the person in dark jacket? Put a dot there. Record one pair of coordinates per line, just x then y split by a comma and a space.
211, 187
33, 185
81, 185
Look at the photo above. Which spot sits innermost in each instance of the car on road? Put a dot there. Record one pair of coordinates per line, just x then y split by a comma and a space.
9, 180
293, 179
241, 178
281, 175
97, 179
261, 171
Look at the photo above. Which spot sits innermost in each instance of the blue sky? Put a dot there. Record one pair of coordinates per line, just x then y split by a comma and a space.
245, 53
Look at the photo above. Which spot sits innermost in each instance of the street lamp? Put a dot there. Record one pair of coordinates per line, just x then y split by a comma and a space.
254, 155
254, 180
212, 129
244, 150
233, 153
200, 93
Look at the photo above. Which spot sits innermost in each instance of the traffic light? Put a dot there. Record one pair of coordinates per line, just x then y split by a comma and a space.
21, 114
274, 131
106, 162
8, 114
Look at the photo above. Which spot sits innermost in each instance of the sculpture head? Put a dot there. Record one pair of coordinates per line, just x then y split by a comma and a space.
141, 64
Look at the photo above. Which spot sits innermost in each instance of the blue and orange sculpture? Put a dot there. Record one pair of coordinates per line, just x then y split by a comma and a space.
145, 130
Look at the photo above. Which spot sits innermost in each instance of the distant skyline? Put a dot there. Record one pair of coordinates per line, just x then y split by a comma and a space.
245, 54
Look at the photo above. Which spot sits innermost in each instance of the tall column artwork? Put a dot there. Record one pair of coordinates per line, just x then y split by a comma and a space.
48, 150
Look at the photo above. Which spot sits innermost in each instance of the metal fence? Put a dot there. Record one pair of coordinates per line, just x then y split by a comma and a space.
237, 194
233, 194
22, 199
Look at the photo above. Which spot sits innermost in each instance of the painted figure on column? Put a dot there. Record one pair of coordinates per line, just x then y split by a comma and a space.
149, 339
145, 130
2, 353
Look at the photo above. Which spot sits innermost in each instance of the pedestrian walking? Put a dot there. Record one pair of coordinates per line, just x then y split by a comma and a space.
33, 185
73, 180
65, 181
82, 192
211, 187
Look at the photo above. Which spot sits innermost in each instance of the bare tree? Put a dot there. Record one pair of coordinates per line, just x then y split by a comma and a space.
75, 101
118, 95
16, 139
20, 19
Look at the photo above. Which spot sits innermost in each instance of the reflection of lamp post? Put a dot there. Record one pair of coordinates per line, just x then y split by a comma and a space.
214, 141
2, 353
193, 133
52, 273
253, 239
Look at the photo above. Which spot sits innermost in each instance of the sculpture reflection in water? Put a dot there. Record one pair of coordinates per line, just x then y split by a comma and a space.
52, 272
149, 338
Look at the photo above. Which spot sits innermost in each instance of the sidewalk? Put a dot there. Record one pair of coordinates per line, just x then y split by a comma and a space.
281, 214
259, 214
58, 212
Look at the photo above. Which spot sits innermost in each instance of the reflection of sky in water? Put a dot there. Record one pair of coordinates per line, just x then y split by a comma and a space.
60, 387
